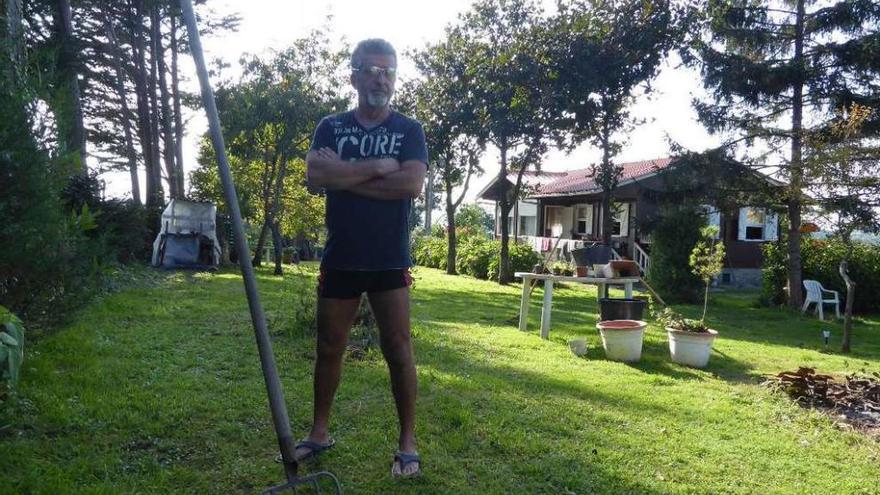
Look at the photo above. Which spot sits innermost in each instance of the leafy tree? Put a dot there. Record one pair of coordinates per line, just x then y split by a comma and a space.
777, 71
475, 218
707, 261
440, 103
604, 54
509, 90
269, 116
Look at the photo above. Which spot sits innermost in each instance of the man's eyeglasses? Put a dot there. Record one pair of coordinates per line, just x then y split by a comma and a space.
376, 71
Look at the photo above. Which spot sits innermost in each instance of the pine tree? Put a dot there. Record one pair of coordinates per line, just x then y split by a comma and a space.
779, 70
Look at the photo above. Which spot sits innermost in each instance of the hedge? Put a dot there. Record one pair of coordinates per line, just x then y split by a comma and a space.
820, 259
476, 255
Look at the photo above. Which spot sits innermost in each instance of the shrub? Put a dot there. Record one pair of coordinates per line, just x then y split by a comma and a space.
774, 273
522, 259
429, 251
673, 235
477, 254
45, 257
474, 254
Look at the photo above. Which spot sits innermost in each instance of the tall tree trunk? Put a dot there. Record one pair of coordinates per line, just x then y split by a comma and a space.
145, 130
154, 110
14, 39
429, 200
452, 242
277, 241
261, 244
165, 120
73, 130
178, 117
795, 291
130, 152
848, 309
504, 274
223, 239
607, 186
271, 160
272, 206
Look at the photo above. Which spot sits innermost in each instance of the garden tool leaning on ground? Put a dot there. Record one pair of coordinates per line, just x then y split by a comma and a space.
264, 345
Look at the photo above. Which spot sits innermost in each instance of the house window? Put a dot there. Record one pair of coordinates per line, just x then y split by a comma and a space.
584, 219
527, 225
756, 224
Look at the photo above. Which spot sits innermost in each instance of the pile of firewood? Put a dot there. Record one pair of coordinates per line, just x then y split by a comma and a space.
856, 400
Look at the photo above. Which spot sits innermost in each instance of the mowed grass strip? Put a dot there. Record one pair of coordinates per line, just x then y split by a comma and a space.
157, 389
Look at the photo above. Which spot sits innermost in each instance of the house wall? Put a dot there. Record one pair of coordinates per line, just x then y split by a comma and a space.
740, 254
522, 209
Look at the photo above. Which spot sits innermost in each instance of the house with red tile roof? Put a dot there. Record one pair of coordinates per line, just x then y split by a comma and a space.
568, 206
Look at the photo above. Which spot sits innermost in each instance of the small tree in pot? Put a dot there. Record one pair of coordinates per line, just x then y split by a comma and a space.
690, 341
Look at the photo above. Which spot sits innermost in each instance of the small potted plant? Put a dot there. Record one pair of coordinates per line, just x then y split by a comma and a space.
690, 341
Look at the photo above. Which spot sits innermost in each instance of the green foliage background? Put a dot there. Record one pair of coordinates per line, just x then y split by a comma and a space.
820, 259
673, 236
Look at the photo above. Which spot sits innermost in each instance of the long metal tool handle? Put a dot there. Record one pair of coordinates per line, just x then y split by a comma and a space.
264, 345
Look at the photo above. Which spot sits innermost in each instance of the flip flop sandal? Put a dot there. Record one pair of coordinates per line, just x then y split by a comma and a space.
405, 460
315, 449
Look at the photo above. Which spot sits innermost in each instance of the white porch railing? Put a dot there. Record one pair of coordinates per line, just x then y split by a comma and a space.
641, 258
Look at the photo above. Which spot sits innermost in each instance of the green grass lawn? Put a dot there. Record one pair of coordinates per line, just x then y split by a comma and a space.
157, 389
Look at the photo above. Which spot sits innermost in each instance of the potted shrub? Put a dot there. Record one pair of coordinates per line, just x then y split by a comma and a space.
690, 341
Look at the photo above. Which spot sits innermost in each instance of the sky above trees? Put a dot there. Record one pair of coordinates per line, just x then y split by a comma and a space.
274, 24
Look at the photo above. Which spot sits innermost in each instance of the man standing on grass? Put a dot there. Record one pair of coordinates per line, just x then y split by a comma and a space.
372, 162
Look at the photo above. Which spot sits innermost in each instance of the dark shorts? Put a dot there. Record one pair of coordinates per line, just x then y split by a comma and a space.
350, 284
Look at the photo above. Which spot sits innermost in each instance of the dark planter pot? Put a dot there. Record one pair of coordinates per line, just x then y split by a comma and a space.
621, 309
598, 254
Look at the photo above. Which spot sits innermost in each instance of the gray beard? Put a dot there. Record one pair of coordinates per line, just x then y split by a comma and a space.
377, 100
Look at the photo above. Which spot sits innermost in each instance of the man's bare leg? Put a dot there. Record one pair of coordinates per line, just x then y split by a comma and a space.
391, 309
335, 318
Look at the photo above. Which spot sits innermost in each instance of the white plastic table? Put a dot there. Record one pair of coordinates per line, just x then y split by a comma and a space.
549, 279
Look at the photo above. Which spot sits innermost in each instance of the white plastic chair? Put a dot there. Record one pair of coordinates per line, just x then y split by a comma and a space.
815, 294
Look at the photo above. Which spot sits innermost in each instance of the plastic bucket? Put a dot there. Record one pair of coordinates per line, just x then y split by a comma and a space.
621, 309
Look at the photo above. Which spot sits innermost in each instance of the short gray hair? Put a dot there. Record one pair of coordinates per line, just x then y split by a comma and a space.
373, 46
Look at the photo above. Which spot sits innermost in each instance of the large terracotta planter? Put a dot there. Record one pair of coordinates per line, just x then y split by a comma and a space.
622, 339
690, 348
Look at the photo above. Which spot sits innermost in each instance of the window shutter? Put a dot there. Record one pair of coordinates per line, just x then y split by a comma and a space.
743, 220
771, 226
589, 209
624, 219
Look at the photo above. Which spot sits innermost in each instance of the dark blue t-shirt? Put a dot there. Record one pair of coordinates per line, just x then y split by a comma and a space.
365, 233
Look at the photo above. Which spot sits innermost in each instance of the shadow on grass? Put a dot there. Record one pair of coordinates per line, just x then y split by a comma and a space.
571, 309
